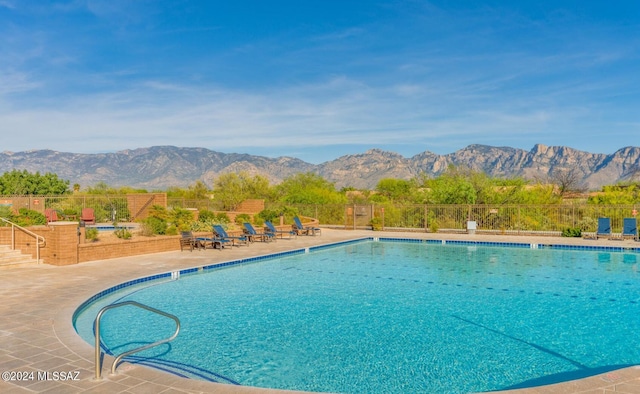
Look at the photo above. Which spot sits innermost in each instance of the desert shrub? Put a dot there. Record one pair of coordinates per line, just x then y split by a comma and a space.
5, 212
222, 218
572, 232
376, 223
242, 218
27, 217
181, 219
123, 233
91, 234
155, 225
146, 229
172, 230
206, 216
268, 214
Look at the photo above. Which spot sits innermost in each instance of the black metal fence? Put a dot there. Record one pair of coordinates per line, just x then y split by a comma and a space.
506, 219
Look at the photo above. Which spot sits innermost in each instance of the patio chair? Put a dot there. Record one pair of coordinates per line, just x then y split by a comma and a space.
192, 242
51, 215
630, 228
221, 235
604, 228
271, 229
304, 230
187, 240
252, 234
88, 216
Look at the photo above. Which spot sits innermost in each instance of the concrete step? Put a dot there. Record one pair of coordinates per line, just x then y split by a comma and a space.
14, 258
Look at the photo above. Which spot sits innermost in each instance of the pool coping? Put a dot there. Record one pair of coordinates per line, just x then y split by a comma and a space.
48, 320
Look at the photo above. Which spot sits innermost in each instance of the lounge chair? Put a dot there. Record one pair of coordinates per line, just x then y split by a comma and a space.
604, 228
192, 242
88, 216
221, 235
51, 215
271, 229
187, 240
252, 234
304, 230
630, 228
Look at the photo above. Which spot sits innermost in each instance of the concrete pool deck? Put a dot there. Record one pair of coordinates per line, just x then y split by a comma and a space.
37, 305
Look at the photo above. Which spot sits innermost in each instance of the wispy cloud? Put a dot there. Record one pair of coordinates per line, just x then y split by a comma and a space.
418, 76
7, 4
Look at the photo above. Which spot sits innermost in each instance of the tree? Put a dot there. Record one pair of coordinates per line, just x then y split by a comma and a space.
396, 189
233, 188
568, 182
308, 188
25, 183
452, 187
198, 191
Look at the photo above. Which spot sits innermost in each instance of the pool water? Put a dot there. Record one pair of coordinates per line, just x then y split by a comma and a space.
390, 317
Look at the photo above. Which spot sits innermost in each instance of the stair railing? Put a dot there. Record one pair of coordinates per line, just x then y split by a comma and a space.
40, 241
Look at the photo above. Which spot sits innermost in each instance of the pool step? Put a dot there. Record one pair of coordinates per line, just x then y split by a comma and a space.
180, 369
14, 258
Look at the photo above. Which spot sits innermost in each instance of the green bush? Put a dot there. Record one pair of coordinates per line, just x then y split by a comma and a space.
155, 225
376, 224
123, 233
206, 216
91, 234
572, 232
242, 218
268, 214
222, 218
27, 217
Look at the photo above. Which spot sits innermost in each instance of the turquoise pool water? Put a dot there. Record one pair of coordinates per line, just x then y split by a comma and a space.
390, 317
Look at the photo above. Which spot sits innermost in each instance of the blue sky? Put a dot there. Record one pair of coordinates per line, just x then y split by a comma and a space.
318, 79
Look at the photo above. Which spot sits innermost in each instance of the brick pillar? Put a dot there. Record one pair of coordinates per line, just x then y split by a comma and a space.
62, 243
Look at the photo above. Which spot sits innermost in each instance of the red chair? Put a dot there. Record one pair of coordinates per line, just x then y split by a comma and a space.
51, 215
88, 216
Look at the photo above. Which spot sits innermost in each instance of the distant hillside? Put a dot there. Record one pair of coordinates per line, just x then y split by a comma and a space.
160, 167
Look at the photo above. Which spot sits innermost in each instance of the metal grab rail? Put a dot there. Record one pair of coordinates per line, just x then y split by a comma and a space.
40, 241
145, 347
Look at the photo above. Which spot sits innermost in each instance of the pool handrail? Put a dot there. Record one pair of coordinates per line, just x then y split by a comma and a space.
139, 349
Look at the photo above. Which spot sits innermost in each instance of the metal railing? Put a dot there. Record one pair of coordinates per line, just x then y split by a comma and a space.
498, 218
136, 350
40, 241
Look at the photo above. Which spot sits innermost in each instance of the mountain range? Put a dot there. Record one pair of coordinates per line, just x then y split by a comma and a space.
160, 167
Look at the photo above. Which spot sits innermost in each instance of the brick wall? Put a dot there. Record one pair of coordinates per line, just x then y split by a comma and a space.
62, 244
250, 206
124, 248
139, 204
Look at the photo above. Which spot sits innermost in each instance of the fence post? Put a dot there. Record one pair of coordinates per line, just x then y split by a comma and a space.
354, 216
426, 218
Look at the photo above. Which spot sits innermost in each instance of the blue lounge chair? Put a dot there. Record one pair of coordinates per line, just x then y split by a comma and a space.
221, 235
304, 230
252, 234
271, 229
604, 228
630, 228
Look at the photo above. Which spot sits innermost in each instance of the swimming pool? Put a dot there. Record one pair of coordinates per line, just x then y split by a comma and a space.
390, 317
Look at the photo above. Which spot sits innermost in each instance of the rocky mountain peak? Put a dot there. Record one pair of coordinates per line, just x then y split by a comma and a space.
160, 167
